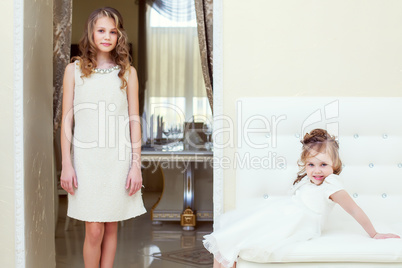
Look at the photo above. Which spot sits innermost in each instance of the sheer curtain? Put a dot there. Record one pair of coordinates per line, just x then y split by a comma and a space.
175, 86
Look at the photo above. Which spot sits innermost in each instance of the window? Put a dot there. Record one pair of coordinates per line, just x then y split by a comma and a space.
157, 20
175, 86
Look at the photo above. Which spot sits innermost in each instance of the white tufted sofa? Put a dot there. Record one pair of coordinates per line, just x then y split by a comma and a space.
370, 138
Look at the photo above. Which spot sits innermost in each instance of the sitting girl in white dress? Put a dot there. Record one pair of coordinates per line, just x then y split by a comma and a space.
290, 219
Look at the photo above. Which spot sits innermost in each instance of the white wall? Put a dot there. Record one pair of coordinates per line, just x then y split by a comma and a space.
7, 234
308, 48
127, 8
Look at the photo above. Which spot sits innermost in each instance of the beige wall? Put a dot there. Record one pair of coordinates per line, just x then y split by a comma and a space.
7, 234
38, 133
127, 8
308, 48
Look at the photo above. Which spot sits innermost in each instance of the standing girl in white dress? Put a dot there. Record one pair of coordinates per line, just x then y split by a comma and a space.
100, 119
296, 218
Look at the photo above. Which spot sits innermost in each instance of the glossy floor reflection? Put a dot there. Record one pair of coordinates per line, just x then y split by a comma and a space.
140, 244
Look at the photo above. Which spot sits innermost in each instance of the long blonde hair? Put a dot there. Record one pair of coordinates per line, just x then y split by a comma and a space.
315, 142
120, 54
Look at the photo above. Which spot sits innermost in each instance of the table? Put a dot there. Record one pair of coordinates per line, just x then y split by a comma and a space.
187, 183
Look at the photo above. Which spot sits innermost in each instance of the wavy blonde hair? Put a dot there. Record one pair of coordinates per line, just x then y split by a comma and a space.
315, 142
120, 54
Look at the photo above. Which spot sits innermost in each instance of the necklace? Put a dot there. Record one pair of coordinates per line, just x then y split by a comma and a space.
106, 71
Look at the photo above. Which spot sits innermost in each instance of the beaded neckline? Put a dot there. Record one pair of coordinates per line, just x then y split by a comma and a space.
106, 71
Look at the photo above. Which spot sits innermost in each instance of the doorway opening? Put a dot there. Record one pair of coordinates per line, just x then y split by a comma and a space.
152, 241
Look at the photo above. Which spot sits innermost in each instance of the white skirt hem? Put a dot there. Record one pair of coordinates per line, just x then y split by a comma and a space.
141, 212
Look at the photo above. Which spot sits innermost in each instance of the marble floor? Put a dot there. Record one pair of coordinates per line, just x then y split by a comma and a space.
140, 244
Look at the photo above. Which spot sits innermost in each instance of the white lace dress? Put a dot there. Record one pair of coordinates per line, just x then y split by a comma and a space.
101, 150
274, 226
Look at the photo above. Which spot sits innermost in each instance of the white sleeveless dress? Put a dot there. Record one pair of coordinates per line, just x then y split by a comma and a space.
274, 226
101, 150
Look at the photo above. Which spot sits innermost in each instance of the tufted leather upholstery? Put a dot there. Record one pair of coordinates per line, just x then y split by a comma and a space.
369, 131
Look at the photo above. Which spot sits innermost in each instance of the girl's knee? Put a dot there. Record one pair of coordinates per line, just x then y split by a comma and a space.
94, 231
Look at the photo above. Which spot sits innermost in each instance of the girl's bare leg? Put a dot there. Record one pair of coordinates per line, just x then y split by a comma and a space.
216, 264
92, 244
109, 245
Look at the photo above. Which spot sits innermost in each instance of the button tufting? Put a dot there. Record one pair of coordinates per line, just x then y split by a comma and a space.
297, 135
355, 195
384, 195
400, 165
356, 136
385, 136
371, 165
268, 136
265, 196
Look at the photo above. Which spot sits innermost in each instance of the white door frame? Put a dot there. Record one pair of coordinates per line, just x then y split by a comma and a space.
218, 104
19, 207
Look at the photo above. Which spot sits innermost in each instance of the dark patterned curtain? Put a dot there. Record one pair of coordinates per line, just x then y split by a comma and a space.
203, 9
142, 68
62, 18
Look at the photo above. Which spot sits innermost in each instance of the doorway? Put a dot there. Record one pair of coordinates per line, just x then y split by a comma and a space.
168, 237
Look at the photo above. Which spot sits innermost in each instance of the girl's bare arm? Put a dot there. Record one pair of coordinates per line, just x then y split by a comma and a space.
349, 205
68, 177
134, 180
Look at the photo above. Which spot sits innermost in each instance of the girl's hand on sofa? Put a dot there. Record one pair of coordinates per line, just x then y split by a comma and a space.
385, 236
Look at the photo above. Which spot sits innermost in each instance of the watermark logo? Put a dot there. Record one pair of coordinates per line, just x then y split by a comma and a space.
111, 129
330, 112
